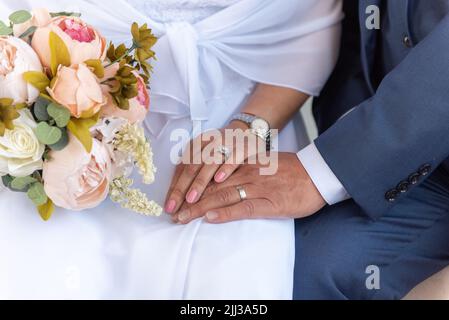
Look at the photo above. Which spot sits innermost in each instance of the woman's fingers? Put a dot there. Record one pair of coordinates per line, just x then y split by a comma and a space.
200, 183
209, 170
222, 198
178, 192
228, 168
242, 151
248, 209
170, 204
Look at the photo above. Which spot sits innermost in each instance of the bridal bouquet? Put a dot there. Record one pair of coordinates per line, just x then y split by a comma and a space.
71, 109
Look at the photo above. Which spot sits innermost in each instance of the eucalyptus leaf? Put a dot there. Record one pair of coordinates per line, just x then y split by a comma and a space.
6, 179
37, 194
40, 109
47, 134
28, 32
65, 14
62, 143
21, 183
60, 114
20, 16
5, 31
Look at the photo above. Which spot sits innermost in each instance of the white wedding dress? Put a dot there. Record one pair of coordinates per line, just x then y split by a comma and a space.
109, 253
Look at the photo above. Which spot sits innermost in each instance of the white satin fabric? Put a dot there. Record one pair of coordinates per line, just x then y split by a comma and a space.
204, 73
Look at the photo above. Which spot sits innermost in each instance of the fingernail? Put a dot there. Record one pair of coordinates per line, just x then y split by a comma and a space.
219, 177
184, 216
211, 215
191, 196
170, 206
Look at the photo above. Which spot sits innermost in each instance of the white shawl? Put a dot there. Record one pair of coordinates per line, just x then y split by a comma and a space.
289, 43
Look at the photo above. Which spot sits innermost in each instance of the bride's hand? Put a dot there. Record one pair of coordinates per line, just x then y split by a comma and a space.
203, 162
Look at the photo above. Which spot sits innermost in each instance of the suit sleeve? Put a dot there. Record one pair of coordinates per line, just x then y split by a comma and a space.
390, 143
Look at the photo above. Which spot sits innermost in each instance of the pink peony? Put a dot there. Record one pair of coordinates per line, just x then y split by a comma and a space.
75, 179
82, 40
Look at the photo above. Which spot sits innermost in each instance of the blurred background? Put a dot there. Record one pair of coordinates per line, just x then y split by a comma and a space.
306, 112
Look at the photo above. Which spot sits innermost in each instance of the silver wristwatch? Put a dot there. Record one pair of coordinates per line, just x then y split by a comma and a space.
258, 126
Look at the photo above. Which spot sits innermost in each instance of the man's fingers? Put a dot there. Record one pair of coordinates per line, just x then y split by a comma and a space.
200, 182
178, 193
237, 179
222, 198
248, 209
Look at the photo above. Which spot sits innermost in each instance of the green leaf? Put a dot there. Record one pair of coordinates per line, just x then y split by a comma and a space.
6, 180
28, 32
80, 129
21, 183
37, 194
135, 32
97, 67
5, 31
59, 54
20, 16
37, 175
40, 109
62, 143
48, 134
60, 114
45, 210
37, 79
65, 14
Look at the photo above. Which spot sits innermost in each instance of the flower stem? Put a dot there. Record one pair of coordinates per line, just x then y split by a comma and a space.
128, 51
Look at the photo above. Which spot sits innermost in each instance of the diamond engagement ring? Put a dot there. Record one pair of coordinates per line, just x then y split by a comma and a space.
242, 193
225, 151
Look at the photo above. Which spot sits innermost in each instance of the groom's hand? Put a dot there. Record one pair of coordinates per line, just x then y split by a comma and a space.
288, 193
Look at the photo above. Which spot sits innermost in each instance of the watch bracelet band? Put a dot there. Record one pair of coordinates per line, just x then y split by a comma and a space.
244, 117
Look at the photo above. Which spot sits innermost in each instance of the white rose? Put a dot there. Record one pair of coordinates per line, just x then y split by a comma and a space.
17, 57
20, 150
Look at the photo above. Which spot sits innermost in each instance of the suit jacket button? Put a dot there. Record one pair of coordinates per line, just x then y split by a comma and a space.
414, 178
425, 170
391, 195
403, 186
407, 42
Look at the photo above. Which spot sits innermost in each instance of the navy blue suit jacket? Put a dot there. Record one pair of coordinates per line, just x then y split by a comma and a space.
398, 130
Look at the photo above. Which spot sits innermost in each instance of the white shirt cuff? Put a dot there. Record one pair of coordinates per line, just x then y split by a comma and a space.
322, 176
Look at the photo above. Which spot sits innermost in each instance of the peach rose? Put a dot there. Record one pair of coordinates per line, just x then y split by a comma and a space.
138, 106
40, 17
81, 39
77, 89
17, 57
75, 179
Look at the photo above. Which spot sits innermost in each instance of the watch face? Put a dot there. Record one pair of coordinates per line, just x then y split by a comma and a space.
260, 126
